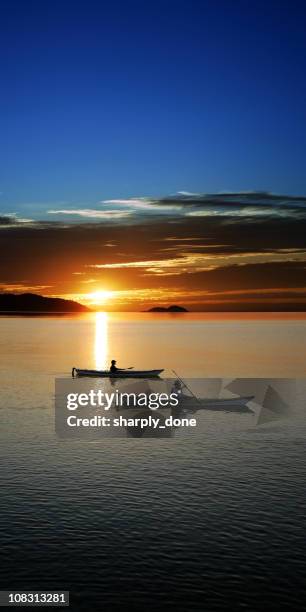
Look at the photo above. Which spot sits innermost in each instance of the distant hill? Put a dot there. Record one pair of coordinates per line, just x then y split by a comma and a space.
31, 302
169, 309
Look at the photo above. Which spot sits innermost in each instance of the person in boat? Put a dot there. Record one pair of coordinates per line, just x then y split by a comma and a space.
186, 403
114, 368
177, 387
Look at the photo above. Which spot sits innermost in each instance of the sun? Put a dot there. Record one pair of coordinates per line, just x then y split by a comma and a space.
98, 298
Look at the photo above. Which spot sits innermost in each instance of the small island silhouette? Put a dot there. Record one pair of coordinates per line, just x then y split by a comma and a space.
32, 302
167, 309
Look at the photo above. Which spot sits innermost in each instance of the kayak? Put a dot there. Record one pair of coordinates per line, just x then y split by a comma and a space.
118, 374
229, 403
223, 403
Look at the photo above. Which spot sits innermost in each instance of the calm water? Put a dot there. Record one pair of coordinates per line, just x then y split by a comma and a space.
190, 523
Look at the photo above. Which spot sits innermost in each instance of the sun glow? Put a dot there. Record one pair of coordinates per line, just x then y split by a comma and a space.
98, 298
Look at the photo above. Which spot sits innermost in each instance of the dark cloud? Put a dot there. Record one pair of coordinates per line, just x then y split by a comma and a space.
244, 197
240, 204
231, 207
9, 221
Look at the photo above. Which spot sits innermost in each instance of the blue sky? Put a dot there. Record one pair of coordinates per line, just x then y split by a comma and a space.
110, 100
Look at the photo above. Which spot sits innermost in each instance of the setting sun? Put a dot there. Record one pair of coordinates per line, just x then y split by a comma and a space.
98, 298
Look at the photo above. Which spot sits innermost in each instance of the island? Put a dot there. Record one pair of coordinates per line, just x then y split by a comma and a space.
32, 302
167, 309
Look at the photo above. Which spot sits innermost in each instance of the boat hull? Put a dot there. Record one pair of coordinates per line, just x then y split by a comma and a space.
232, 404
119, 374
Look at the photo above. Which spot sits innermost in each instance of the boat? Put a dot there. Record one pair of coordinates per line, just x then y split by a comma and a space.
232, 404
193, 403
119, 374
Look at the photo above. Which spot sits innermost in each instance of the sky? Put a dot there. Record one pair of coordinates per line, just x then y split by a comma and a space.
240, 251
124, 124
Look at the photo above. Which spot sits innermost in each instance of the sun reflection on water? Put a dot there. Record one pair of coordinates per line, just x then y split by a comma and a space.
101, 341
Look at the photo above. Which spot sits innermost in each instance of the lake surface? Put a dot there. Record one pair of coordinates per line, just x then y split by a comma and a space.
200, 522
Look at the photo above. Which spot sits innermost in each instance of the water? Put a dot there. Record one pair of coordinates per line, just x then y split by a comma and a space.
189, 523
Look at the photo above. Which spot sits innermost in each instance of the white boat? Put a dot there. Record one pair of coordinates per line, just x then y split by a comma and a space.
119, 374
